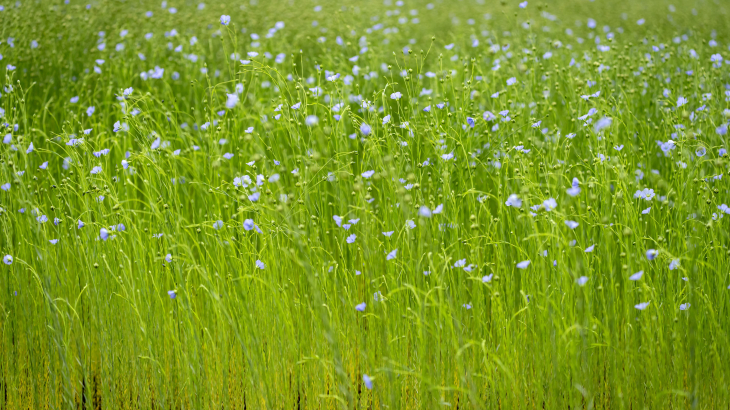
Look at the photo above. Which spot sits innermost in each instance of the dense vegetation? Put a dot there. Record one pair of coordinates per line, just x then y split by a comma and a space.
364, 204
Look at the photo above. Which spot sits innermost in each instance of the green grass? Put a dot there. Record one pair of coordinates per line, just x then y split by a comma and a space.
89, 323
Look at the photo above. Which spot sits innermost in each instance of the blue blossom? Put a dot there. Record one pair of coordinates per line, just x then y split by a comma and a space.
424, 211
103, 233
367, 381
523, 264
636, 276
8, 260
365, 129
601, 124
646, 194
549, 204
651, 254
575, 188
513, 200
231, 101
581, 281
225, 20
351, 238
392, 255
361, 307
311, 120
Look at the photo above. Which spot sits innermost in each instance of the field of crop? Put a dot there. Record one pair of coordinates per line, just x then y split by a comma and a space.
361, 204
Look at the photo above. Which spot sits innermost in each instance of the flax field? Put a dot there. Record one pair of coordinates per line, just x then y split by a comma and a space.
364, 204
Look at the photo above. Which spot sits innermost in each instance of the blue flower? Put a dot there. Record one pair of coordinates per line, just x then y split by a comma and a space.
514, 201
582, 280
217, 224
701, 151
8, 260
360, 307
172, 294
231, 101
365, 129
604, 122
651, 254
549, 204
311, 120
424, 212
90, 111
523, 264
96, 170
248, 224
636, 276
642, 306
368, 381
103, 233
571, 224
392, 255
225, 20
351, 238
260, 264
